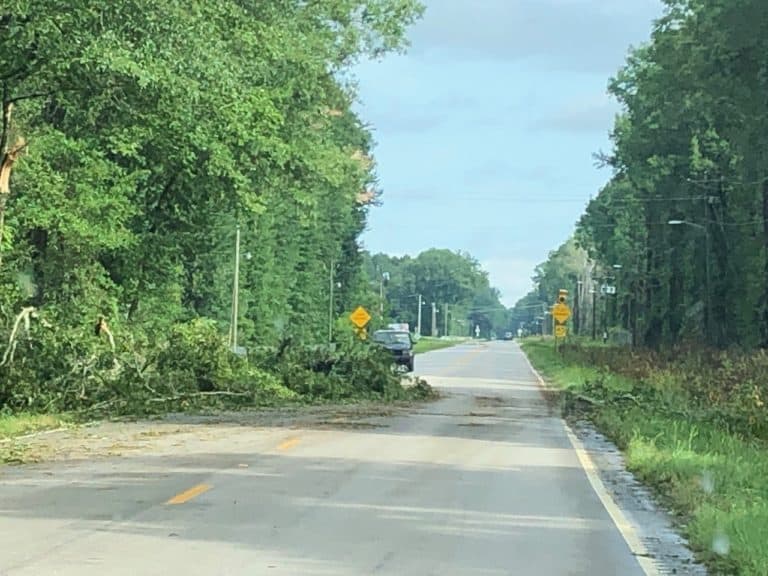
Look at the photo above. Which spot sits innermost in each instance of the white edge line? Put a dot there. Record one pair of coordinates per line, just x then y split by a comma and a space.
619, 519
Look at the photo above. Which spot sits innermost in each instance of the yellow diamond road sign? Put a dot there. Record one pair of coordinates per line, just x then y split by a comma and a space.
561, 312
360, 317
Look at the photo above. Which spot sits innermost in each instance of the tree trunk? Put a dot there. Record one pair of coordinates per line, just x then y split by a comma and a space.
8, 156
765, 248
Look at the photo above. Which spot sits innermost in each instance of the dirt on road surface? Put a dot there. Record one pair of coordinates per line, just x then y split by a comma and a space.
188, 433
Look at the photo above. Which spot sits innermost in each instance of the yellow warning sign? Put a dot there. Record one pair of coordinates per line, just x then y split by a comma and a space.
360, 317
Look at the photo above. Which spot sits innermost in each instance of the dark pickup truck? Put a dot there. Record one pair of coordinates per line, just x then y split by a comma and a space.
399, 343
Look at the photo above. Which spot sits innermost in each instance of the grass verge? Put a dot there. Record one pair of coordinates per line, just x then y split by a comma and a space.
15, 425
430, 344
714, 480
12, 426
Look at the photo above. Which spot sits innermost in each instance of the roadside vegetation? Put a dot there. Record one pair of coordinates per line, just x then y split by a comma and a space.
669, 263
692, 426
135, 140
14, 425
454, 281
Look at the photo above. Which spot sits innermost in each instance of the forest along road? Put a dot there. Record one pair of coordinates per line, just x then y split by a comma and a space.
485, 481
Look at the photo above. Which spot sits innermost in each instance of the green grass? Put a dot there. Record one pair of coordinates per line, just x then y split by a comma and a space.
12, 426
715, 481
430, 344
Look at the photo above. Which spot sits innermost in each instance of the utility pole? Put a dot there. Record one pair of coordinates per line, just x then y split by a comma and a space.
577, 309
382, 279
236, 290
708, 293
446, 320
381, 296
418, 321
434, 320
708, 319
330, 303
594, 312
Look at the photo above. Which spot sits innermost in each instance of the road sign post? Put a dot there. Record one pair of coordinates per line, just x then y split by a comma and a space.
360, 318
561, 312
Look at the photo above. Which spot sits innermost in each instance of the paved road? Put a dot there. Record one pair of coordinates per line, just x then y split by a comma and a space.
482, 482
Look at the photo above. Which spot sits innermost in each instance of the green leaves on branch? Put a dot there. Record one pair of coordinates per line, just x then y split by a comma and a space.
689, 146
152, 130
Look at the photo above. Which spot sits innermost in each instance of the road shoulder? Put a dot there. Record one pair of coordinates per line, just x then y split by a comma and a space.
177, 433
648, 528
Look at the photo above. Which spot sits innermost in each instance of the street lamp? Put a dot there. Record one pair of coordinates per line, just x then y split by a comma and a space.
706, 266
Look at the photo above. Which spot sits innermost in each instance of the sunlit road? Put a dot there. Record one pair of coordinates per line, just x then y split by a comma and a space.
484, 481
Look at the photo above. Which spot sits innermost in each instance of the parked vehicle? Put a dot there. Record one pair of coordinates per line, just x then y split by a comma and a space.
400, 343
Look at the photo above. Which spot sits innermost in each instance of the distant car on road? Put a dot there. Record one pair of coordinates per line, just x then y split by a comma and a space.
508, 336
398, 342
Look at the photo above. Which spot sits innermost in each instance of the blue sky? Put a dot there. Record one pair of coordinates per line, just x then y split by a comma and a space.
486, 129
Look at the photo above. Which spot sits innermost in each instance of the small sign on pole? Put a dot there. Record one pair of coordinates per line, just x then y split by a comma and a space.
360, 317
561, 312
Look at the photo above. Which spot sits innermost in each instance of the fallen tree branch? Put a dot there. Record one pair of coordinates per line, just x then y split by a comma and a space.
201, 395
589, 400
103, 328
24, 316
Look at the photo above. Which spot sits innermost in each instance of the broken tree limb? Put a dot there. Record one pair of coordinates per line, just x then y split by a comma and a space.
7, 160
103, 328
201, 395
24, 316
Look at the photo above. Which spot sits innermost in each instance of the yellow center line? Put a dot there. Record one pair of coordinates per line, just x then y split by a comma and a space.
289, 443
466, 358
187, 495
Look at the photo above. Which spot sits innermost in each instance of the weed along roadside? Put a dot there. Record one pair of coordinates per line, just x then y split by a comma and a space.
687, 423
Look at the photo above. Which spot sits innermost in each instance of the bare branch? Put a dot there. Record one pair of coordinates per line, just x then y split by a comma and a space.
24, 316
5, 128
201, 395
29, 96
7, 159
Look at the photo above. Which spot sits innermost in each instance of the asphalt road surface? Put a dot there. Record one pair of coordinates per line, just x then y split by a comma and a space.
484, 481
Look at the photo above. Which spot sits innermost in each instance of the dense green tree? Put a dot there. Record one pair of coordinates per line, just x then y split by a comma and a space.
690, 148
451, 280
566, 268
136, 136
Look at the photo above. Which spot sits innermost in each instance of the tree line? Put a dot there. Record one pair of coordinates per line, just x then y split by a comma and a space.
454, 283
681, 228
137, 136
